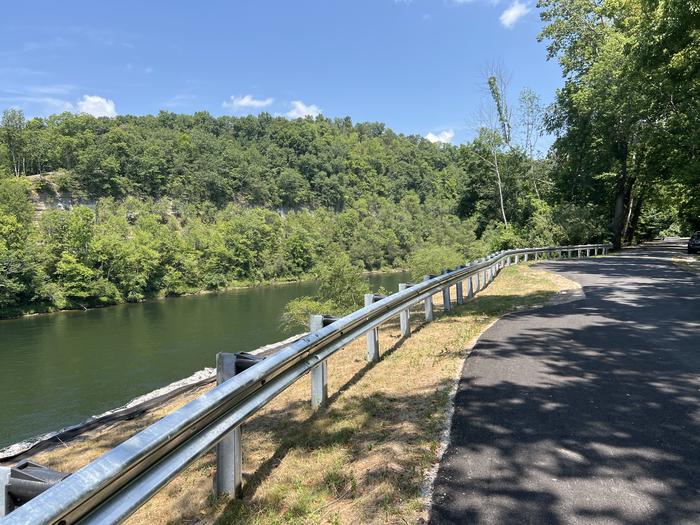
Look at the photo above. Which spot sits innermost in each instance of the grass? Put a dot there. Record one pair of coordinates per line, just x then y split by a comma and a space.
361, 459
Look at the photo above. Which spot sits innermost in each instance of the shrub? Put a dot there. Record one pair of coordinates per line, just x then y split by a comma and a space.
432, 259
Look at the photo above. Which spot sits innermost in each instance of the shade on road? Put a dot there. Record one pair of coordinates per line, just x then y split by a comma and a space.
584, 412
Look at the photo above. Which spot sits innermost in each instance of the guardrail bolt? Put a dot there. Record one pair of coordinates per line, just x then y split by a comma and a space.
372, 336
319, 373
405, 315
229, 457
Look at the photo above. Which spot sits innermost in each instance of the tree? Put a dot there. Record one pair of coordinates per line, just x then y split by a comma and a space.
531, 120
495, 130
627, 115
341, 290
433, 259
13, 128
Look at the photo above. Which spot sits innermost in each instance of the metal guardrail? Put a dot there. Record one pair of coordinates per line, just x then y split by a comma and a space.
116, 484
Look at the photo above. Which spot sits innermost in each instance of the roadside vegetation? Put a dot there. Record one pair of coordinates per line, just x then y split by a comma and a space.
363, 458
169, 204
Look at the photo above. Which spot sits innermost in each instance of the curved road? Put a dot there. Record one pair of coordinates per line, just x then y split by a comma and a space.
584, 412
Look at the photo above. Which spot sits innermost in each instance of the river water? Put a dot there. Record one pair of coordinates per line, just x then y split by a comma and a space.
59, 369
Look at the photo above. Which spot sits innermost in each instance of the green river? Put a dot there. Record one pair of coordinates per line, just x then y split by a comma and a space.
59, 369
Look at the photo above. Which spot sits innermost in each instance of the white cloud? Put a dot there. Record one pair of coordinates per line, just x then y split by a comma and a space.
515, 12
247, 101
299, 110
38, 106
180, 100
97, 106
443, 137
52, 89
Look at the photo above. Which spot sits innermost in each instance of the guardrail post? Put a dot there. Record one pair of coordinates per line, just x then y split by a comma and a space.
372, 335
460, 297
404, 316
527, 257
319, 373
470, 287
428, 303
5, 502
229, 457
446, 302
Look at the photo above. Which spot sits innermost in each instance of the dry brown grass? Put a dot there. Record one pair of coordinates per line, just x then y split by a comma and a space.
363, 458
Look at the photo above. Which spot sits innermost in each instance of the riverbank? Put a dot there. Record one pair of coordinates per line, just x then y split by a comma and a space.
236, 285
58, 370
134, 408
365, 458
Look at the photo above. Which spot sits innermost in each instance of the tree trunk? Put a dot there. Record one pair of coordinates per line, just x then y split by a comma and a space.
635, 212
622, 198
500, 187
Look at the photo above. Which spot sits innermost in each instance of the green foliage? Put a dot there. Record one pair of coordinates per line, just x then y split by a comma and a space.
297, 312
541, 229
341, 290
81, 285
629, 107
14, 199
433, 259
20, 272
174, 204
341, 282
13, 137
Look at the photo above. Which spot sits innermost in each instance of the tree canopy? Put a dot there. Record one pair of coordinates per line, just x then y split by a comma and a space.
133, 207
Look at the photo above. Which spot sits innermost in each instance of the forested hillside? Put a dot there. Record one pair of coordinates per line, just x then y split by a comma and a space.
171, 204
180, 203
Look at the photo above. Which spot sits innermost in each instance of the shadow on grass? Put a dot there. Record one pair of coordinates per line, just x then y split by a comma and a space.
377, 418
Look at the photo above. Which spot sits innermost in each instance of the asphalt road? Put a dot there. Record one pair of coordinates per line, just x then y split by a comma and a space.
584, 412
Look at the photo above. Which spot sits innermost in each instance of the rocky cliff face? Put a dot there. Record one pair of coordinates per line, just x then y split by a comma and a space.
49, 193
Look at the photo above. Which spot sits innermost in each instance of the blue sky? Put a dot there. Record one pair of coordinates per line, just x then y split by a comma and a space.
416, 65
